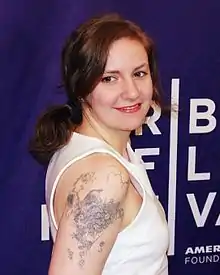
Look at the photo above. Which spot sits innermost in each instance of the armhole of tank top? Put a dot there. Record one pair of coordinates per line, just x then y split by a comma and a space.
80, 157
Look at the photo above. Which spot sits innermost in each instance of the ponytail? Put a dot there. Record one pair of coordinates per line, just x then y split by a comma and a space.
53, 131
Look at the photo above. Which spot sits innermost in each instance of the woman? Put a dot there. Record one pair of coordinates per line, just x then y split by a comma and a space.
104, 216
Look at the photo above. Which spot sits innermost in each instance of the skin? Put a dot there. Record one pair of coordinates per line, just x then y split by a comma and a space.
95, 199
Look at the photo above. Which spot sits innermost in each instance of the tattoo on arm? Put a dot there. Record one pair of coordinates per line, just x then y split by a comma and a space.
101, 244
70, 254
90, 215
118, 174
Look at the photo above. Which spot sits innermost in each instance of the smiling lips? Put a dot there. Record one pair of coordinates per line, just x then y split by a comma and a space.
129, 109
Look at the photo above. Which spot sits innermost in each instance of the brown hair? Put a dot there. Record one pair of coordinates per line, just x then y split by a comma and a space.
84, 57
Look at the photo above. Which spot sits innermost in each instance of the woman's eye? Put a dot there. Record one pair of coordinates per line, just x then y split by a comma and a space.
140, 74
108, 79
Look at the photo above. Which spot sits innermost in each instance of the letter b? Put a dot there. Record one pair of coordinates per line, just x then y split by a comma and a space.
207, 115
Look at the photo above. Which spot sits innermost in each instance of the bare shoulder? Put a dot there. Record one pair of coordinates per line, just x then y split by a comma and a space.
96, 177
100, 170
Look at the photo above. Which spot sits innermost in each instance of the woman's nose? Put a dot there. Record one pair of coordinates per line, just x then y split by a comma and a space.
130, 90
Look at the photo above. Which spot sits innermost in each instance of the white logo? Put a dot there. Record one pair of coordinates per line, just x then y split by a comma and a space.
202, 254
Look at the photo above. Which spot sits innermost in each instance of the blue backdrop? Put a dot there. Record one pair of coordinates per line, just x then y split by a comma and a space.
181, 154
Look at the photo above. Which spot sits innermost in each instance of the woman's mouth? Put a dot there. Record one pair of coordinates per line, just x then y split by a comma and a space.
129, 109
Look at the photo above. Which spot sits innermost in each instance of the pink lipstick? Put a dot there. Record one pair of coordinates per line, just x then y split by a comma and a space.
129, 109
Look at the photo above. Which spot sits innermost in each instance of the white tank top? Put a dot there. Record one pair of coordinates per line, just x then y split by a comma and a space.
140, 248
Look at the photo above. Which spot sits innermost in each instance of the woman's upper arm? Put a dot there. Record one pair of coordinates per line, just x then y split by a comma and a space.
91, 218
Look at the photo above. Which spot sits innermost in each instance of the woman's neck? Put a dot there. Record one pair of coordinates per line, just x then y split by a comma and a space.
117, 139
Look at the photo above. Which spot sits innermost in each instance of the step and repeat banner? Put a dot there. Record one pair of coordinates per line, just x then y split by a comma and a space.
181, 152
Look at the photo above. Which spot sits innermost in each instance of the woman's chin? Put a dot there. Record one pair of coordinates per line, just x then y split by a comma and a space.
133, 126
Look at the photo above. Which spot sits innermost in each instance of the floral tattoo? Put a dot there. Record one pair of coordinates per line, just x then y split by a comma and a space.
91, 215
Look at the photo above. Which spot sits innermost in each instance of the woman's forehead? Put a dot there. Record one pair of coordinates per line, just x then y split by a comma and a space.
126, 53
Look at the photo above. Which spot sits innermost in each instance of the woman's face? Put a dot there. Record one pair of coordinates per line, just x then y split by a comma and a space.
122, 98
